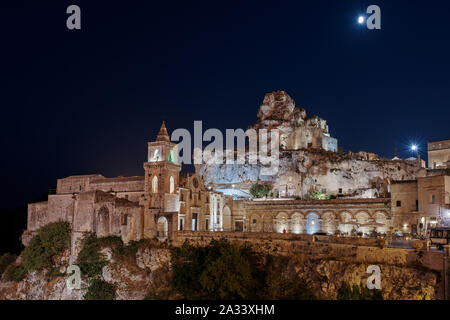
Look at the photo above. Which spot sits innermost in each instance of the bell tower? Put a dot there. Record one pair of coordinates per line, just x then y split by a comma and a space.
162, 174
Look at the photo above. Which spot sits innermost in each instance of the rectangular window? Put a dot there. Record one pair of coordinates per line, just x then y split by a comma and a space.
399, 203
254, 221
239, 226
340, 190
417, 205
194, 221
207, 224
433, 198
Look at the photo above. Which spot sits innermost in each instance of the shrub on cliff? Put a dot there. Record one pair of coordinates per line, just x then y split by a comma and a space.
14, 272
227, 273
218, 271
223, 270
259, 190
51, 240
100, 290
358, 293
5, 260
90, 260
282, 283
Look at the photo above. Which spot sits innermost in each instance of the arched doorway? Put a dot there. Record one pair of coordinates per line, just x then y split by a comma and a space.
346, 224
329, 222
281, 223
226, 219
312, 223
103, 222
267, 223
362, 218
297, 223
162, 227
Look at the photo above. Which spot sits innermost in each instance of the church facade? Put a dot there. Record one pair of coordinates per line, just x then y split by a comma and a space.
154, 205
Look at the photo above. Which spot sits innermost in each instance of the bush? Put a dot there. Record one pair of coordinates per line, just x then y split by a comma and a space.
5, 260
100, 290
283, 285
227, 274
50, 241
90, 260
226, 271
260, 190
358, 293
15, 273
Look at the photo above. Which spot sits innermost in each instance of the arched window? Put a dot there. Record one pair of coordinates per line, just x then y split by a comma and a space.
172, 185
171, 157
156, 155
155, 184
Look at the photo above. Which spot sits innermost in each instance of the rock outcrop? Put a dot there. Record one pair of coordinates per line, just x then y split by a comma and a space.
308, 160
134, 279
149, 271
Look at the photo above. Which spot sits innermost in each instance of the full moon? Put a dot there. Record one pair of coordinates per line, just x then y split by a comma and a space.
360, 19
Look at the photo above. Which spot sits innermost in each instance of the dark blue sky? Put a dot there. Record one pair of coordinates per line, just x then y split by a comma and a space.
78, 102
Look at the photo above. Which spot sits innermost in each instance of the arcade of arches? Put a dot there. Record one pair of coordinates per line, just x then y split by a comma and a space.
344, 217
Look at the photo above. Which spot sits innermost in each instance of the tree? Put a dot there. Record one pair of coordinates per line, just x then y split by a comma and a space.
259, 190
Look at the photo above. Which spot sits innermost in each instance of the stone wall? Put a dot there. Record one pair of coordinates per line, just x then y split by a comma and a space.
355, 250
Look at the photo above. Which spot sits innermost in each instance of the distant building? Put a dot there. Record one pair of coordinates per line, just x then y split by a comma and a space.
422, 204
439, 154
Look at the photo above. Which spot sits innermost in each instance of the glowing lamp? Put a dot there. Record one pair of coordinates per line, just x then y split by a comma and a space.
360, 19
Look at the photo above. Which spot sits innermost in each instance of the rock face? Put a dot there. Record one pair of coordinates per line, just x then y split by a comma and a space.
134, 279
397, 283
305, 171
149, 273
278, 111
308, 160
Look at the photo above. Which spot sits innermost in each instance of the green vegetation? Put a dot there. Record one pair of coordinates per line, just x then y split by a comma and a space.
91, 261
5, 260
358, 293
100, 290
226, 271
14, 273
50, 241
321, 196
259, 190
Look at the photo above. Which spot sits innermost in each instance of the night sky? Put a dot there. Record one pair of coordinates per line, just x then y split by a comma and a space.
81, 102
